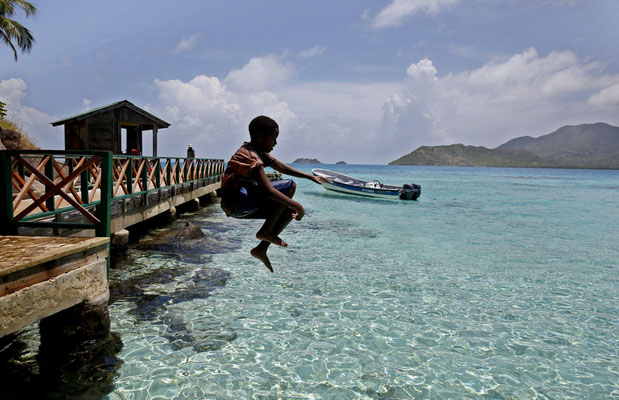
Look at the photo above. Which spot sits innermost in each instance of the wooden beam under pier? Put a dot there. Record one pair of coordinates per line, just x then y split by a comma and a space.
41, 276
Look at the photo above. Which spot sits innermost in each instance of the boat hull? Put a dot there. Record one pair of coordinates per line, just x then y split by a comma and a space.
361, 191
345, 184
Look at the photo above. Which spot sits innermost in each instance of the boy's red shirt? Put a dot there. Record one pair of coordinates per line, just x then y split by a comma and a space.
238, 174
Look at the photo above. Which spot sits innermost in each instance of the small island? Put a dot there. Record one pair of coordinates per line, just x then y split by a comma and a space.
306, 161
340, 162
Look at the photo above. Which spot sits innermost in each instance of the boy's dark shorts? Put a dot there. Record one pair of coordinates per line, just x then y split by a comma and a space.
254, 204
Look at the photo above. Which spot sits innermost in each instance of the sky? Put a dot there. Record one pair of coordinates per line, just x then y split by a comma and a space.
362, 81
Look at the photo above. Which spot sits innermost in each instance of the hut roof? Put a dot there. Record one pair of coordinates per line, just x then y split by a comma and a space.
124, 103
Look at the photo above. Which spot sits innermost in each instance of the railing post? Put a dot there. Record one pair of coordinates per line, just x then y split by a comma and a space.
145, 174
130, 175
49, 172
6, 194
84, 183
158, 173
178, 171
105, 224
168, 171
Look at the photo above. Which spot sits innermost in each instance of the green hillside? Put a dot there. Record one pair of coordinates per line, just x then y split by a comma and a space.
582, 146
472, 156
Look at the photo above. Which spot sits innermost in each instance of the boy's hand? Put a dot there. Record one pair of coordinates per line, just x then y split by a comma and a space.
298, 213
320, 179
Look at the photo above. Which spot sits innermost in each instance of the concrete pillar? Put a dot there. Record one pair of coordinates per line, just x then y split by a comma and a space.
120, 239
69, 328
172, 213
208, 198
193, 205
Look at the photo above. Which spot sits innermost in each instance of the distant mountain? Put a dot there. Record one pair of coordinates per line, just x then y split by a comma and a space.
306, 161
582, 146
341, 162
472, 156
517, 143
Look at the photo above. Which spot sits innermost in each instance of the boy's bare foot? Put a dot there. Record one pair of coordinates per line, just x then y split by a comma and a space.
261, 255
271, 238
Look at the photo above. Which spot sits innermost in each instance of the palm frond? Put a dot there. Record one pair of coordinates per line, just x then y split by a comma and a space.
11, 30
8, 42
7, 7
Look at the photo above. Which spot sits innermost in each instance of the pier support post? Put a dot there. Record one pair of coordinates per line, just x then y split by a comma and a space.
120, 239
69, 328
208, 198
194, 205
172, 213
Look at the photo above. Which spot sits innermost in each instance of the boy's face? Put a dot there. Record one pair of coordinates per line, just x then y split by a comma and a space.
266, 143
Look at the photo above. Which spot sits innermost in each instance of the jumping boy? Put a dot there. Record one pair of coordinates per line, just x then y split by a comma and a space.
246, 192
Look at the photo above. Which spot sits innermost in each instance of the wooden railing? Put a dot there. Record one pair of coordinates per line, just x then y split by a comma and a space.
85, 182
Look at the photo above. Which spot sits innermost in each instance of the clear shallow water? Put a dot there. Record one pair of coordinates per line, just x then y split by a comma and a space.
496, 284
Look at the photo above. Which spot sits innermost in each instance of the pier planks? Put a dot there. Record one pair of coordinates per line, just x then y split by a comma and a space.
27, 260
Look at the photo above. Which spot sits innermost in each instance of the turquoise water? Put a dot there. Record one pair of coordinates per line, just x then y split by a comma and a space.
496, 284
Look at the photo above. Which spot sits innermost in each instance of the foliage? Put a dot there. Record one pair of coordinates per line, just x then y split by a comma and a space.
12, 33
2, 111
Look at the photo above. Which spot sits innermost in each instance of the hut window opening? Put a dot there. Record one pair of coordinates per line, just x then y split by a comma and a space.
123, 141
147, 144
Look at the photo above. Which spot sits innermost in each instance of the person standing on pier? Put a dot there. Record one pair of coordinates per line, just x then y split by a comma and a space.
247, 193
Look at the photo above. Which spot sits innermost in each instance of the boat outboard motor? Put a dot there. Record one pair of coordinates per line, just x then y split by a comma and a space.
410, 192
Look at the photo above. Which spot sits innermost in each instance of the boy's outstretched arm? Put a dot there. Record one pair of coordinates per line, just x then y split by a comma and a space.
288, 170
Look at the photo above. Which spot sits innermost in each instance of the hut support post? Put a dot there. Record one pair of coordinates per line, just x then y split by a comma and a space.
155, 140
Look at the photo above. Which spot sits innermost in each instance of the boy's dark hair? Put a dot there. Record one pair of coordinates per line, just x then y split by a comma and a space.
261, 126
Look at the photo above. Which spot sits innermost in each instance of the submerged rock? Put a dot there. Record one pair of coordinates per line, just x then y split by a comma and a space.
190, 231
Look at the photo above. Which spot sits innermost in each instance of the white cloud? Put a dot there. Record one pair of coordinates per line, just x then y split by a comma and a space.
185, 44
525, 94
213, 115
607, 97
424, 69
260, 73
398, 11
522, 94
12, 91
32, 121
315, 51
86, 104
322, 119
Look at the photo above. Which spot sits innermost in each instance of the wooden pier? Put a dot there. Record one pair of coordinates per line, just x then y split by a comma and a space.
58, 212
